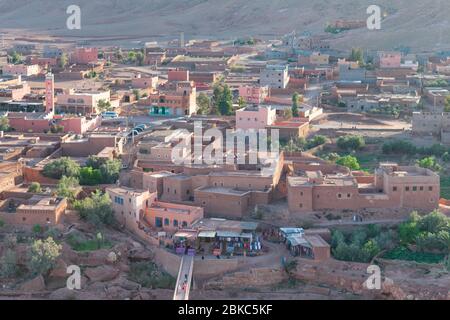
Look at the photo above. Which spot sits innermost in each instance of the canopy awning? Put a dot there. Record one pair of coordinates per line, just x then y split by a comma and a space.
207, 234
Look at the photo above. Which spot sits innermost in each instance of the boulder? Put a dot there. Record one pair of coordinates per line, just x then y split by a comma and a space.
102, 273
36, 284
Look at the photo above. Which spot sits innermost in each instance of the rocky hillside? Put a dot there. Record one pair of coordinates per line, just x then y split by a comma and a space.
413, 23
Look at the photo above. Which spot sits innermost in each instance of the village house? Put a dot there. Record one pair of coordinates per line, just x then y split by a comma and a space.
391, 186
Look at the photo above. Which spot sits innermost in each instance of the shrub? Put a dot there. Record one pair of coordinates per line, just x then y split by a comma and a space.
43, 255
150, 276
96, 209
35, 187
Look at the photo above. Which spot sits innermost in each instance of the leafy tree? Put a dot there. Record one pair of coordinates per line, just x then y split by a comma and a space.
447, 104
104, 105
226, 101
63, 166
351, 142
429, 163
399, 147
295, 99
316, 141
16, 58
37, 229
110, 170
43, 255
8, 264
90, 176
357, 55
4, 124
63, 60
96, 209
67, 187
204, 104
95, 162
140, 58
349, 162
132, 57
35, 187
434, 222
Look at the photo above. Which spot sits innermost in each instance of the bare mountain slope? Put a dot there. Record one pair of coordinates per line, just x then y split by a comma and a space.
418, 24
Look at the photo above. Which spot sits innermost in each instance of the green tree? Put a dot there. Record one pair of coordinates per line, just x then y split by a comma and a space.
95, 162
35, 187
132, 57
357, 55
204, 104
351, 142
63, 166
90, 176
140, 58
447, 104
96, 209
429, 163
349, 162
67, 187
63, 60
4, 124
16, 58
110, 170
226, 102
43, 255
103, 106
294, 108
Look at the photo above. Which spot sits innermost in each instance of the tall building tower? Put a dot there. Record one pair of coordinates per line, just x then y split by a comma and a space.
49, 93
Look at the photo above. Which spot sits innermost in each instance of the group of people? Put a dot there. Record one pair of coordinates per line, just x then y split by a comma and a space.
184, 285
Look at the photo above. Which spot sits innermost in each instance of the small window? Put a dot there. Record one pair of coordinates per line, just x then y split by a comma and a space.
339, 195
414, 188
175, 223
166, 221
184, 224
421, 188
301, 205
349, 195
406, 188
430, 188
301, 193
394, 189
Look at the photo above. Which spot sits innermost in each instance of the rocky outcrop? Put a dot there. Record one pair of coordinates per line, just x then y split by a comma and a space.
102, 273
36, 284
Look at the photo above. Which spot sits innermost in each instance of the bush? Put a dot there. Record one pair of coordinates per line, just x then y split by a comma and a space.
37, 229
402, 253
67, 187
35, 187
96, 209
43, 255
150, 276
351, 142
